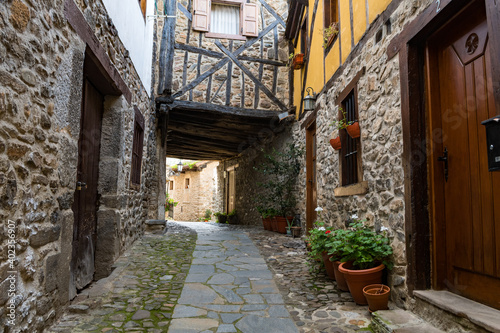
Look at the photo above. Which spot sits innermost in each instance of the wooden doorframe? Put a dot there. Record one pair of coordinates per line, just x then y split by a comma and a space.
310, 209
409, 44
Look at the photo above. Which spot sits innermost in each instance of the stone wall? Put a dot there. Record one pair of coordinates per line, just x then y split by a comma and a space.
379, 108
189, 60
41, 72
201, 194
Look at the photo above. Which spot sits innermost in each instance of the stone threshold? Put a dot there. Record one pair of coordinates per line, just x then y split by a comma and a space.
477, 313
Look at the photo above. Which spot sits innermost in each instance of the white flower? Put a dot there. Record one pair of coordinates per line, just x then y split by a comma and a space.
354, 216
319, 209
322, 228
382, 228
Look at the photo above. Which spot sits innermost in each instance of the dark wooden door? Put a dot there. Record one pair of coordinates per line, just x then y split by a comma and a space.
85, 204
311, 203
231, 193
465, 195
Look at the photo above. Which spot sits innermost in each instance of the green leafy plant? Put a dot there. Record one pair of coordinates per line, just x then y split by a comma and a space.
280, 171
366, 248
318, 237
221, 217
208, 214
328, 32
170, 202
342, 123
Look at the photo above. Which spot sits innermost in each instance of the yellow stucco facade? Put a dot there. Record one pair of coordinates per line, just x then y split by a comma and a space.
323, 63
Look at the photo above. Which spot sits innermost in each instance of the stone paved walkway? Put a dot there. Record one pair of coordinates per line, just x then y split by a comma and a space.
226, 279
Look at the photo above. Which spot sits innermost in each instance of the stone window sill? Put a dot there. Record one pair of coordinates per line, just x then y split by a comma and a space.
355, 189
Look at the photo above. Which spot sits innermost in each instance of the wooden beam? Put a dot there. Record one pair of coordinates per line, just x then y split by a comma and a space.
224, 61
263, 61
250, 75
229, 76
199, 50
230, 110
273, 13
493, 16
185, 11
166, 58
218, 89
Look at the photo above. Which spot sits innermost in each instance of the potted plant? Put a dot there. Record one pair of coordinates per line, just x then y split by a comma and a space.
208, 215
296, 60
280, 171
221, 217
318, 237
232, 218
353, 130
335, 141
329, 34
335, 246
339, 124
366, 254
377, 296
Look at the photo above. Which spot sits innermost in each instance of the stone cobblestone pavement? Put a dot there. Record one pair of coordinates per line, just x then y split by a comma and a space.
241, 279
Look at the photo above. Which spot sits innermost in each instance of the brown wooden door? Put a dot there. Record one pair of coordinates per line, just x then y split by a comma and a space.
231, 194
465, 195
85, 204
311, 176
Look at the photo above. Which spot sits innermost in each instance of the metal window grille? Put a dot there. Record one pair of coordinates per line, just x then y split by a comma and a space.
349, 150
137, 146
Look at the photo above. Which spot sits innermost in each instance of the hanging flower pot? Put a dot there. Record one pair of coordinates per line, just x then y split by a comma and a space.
336, 144
377, 296
298, 61
354, 130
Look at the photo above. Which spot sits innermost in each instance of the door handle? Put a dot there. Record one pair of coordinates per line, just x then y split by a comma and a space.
444, 159
81, 185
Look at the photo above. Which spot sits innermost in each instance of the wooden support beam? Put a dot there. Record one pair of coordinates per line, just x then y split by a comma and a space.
185, 11
230, 110
229, 76
218, 90
199, 50
273, 13
261, 72
250, 75
166, 58
209, 89
242, 90
263, 61
224, 61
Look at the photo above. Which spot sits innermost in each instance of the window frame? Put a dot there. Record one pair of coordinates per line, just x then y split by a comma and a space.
171, 185
304, 38
327, 19
137, 149
238, 3
187, 183
361, 186
350, 146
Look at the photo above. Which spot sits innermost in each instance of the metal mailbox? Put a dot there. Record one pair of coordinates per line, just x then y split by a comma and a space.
493, 142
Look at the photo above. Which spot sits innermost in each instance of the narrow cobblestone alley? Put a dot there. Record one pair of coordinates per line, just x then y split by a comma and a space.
203, 277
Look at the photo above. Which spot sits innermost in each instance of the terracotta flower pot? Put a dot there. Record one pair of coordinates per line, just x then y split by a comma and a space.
358, 279
341, 283
282, 223
354, 130
328, 265
274, 224
336, 144
377, 296
298, 61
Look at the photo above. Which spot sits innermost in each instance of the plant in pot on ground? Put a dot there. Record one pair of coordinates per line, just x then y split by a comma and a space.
280, 170
366, 254
317, 240
232, 218
221, 217
335, 248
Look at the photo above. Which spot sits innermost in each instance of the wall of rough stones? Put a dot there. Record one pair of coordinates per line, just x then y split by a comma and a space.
201, 194
41, 73
379, 108
197, 39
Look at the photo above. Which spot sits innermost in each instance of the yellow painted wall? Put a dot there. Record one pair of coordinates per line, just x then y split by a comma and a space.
321, 69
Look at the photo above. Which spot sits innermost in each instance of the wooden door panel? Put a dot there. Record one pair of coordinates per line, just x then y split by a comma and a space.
311, 173
459, 66
86, 200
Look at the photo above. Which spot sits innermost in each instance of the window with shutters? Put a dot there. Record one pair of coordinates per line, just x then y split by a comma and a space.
137, 145
171, 185
330, 21
229, 19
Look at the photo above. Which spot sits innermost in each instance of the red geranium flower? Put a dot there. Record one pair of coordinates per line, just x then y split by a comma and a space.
327, 232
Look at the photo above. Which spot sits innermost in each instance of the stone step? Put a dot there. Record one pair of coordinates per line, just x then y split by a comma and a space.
400, 321
454, 313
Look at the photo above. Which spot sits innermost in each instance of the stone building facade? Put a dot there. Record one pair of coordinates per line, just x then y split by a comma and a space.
50, 53
195, 191
398, 145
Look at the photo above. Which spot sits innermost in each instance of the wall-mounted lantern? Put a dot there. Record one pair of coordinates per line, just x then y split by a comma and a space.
179, 166
310, 100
